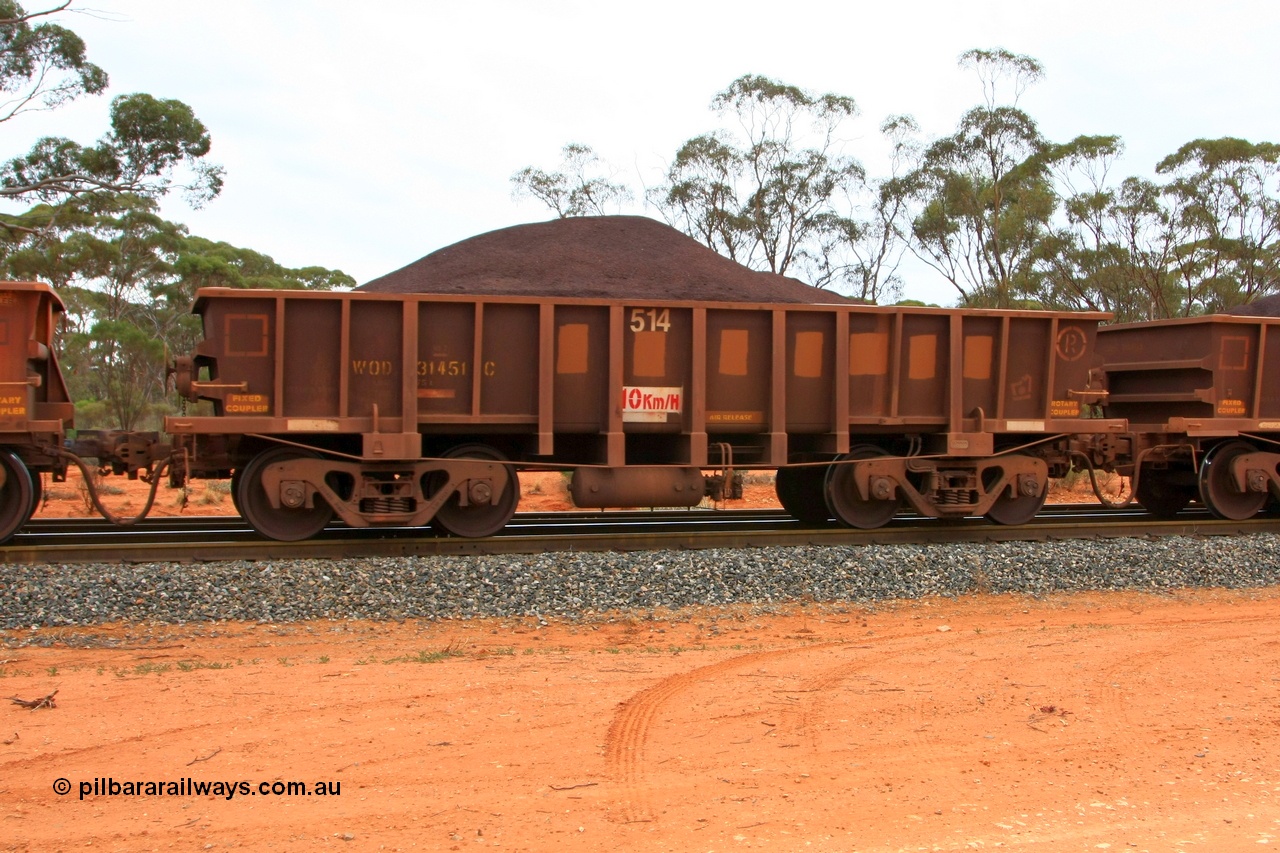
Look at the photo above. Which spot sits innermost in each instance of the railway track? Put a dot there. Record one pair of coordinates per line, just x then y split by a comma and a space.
229, 538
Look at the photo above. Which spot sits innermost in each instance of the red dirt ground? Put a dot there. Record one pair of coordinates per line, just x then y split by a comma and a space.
1117, 721
1085, 722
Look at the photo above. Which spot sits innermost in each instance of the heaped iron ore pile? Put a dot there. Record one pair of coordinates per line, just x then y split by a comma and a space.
599, 257
1267, 306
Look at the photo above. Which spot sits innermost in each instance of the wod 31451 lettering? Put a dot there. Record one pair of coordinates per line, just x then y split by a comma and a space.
372, 367
453, 367
443, 367
435, 367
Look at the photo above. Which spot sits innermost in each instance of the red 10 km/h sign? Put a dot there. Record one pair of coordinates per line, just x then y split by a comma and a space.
650, 404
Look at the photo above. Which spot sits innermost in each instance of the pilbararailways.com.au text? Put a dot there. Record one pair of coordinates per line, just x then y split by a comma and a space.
188, 787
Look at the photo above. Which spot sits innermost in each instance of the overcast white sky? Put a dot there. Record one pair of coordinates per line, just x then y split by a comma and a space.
362, 136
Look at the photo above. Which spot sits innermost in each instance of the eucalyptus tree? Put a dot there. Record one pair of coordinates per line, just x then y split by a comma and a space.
1225, 193
42, 64
1077, 258
982, 196
1112, 246
128, 278
1117, 253
116, 351
861, 247
573, 190
772, 190
701, 196
153, 145
763, 193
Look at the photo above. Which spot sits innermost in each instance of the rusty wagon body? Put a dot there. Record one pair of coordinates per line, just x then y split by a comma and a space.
415, 408
35, 410
1202, 398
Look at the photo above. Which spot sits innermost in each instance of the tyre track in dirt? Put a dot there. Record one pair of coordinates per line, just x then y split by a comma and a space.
633, 731
876, 666
1150, 696
631, 727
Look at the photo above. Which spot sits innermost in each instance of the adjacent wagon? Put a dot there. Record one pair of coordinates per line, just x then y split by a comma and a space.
35, 410
1202, 398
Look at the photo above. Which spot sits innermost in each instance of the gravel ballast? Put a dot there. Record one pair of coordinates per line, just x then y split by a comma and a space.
582, 585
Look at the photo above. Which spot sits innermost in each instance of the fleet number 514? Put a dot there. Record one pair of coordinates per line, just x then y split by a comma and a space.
650, 319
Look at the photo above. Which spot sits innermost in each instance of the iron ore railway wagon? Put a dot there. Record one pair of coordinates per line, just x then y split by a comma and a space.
416, 409
408, 409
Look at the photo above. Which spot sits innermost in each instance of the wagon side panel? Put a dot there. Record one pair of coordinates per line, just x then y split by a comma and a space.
313, 364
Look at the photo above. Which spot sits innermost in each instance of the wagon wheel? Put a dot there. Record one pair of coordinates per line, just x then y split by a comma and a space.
843, 499
1160, 493
16, 496
480, 517
800, 491
1019, 509
283, 524
1217, 488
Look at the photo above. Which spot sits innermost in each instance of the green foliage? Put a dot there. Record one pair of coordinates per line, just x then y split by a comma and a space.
702, 196
767, 186
1013, 219
205, 263
128, 368
982, 195
1225, 194
126, 275
42, 66
779, 194
153, 145
1207, 240
776, 193
997, 67
1008, 217
128, 279
860, 254
570, 192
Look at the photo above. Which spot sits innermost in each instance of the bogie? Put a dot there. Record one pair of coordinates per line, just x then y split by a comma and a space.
1228, 487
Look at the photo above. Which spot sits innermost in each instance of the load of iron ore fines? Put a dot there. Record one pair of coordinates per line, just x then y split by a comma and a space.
582, 586
596, 257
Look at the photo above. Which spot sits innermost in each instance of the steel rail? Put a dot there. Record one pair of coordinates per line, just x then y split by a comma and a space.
163, 540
